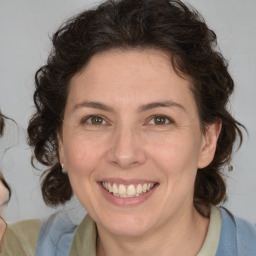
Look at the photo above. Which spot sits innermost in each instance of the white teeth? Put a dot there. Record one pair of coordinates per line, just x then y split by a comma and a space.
114, 188
127, 191
121, 189
139, 189
109, 188
131, 190
144, 188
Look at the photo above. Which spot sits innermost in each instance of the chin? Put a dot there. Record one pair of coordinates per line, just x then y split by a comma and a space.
126, 225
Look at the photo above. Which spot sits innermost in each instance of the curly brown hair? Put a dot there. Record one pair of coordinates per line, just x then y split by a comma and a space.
167, 25
2, 124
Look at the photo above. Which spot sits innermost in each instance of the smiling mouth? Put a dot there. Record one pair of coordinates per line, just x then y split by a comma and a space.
127, 191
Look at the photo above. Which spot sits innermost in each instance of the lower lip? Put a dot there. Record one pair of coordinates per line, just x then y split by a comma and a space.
127, 201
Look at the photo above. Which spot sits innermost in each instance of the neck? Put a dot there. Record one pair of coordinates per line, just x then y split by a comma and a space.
183, 235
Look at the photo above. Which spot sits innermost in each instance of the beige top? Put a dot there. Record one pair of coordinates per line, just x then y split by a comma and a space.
211, 241
21, 238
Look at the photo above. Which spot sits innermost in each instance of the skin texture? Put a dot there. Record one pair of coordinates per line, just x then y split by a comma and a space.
3, 198
3, 194
129, 144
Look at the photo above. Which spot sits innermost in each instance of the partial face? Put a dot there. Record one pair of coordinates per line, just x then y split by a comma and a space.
131, 141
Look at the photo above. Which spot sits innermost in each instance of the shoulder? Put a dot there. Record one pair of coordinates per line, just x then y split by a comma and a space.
237, 235
246, 236
60, 236
84, 239
20, 238
56, 234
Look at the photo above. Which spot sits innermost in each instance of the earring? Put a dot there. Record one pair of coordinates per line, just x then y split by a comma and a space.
63, 170
230, 166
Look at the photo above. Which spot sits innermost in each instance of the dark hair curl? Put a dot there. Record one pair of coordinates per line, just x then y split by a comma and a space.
166, 25
2, 124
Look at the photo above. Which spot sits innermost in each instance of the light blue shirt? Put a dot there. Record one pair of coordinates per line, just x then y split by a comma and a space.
237, 237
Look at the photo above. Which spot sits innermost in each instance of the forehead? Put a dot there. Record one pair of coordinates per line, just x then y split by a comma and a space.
130, 76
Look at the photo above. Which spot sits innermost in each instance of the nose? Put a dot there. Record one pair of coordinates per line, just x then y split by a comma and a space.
126, 149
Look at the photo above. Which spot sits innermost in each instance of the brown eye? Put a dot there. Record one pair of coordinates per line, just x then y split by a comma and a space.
160, 120
97, 120
94, 120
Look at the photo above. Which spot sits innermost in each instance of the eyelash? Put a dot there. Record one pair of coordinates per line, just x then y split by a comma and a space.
168, 119
84, 120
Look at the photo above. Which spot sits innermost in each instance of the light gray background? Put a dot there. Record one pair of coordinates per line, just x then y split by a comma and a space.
25, 27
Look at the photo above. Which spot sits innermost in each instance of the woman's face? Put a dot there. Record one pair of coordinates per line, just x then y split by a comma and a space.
131, 141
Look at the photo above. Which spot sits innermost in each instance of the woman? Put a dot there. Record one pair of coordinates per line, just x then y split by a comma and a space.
5, 191
131, 116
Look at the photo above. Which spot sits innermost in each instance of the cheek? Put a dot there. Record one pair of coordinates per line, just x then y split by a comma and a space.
82, 155
82, 158
177, 155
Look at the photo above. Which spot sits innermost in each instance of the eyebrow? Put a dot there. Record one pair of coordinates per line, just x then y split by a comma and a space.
143, 108
92, 104
163, 104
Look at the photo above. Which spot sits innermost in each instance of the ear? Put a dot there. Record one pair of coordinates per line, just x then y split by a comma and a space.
61, 149
209, 144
